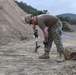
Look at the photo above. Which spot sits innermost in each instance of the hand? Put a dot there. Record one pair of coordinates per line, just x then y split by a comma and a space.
36, 35
45, 42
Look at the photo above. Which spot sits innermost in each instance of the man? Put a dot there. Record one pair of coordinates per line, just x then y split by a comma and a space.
52, 29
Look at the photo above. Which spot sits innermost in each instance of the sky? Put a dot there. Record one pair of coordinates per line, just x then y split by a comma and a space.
54, 7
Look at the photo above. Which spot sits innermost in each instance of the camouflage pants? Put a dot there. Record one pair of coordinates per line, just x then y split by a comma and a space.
54, 34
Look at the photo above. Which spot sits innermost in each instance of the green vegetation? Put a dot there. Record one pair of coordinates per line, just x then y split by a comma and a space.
67, 19
29, 9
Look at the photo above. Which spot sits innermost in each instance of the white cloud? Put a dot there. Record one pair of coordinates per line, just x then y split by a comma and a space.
53, 6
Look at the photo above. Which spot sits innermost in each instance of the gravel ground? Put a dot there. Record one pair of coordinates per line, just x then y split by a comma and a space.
19, 58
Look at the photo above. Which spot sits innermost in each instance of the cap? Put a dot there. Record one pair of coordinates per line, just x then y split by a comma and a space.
28, 18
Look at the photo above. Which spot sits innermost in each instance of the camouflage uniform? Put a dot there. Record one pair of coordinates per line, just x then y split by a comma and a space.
54, 34
54, 31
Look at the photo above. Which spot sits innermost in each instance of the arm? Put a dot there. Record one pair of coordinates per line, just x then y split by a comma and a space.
45, 35
43, 27
34, 28
35, 31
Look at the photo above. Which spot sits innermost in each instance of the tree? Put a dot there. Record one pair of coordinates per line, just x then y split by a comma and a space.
29, 9
67, 19
45, 11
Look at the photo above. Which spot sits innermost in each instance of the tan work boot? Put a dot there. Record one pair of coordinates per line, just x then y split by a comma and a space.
60, 57
45, 56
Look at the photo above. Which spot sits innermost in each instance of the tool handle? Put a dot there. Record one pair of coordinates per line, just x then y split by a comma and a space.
36, 36
36, 45
36, 48
36, 33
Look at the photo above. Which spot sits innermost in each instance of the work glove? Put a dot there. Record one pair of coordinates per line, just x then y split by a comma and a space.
45, 42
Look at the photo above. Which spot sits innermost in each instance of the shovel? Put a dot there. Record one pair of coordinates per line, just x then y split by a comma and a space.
36, 37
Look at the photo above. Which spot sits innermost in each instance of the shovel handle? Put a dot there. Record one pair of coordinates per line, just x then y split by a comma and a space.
36, 36
35, 49
36, 45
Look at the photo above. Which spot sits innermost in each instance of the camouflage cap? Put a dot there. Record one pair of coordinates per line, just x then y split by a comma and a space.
28, 18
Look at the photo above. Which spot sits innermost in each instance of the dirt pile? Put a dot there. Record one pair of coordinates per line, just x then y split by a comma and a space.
12, 25
68, 27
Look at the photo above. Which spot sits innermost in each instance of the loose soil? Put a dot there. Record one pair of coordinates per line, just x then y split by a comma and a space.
19, 58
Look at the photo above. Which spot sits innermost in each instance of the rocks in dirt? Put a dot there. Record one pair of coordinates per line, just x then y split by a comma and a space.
70, 53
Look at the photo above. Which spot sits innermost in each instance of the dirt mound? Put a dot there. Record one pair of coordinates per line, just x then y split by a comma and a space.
68, 27
12, 25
